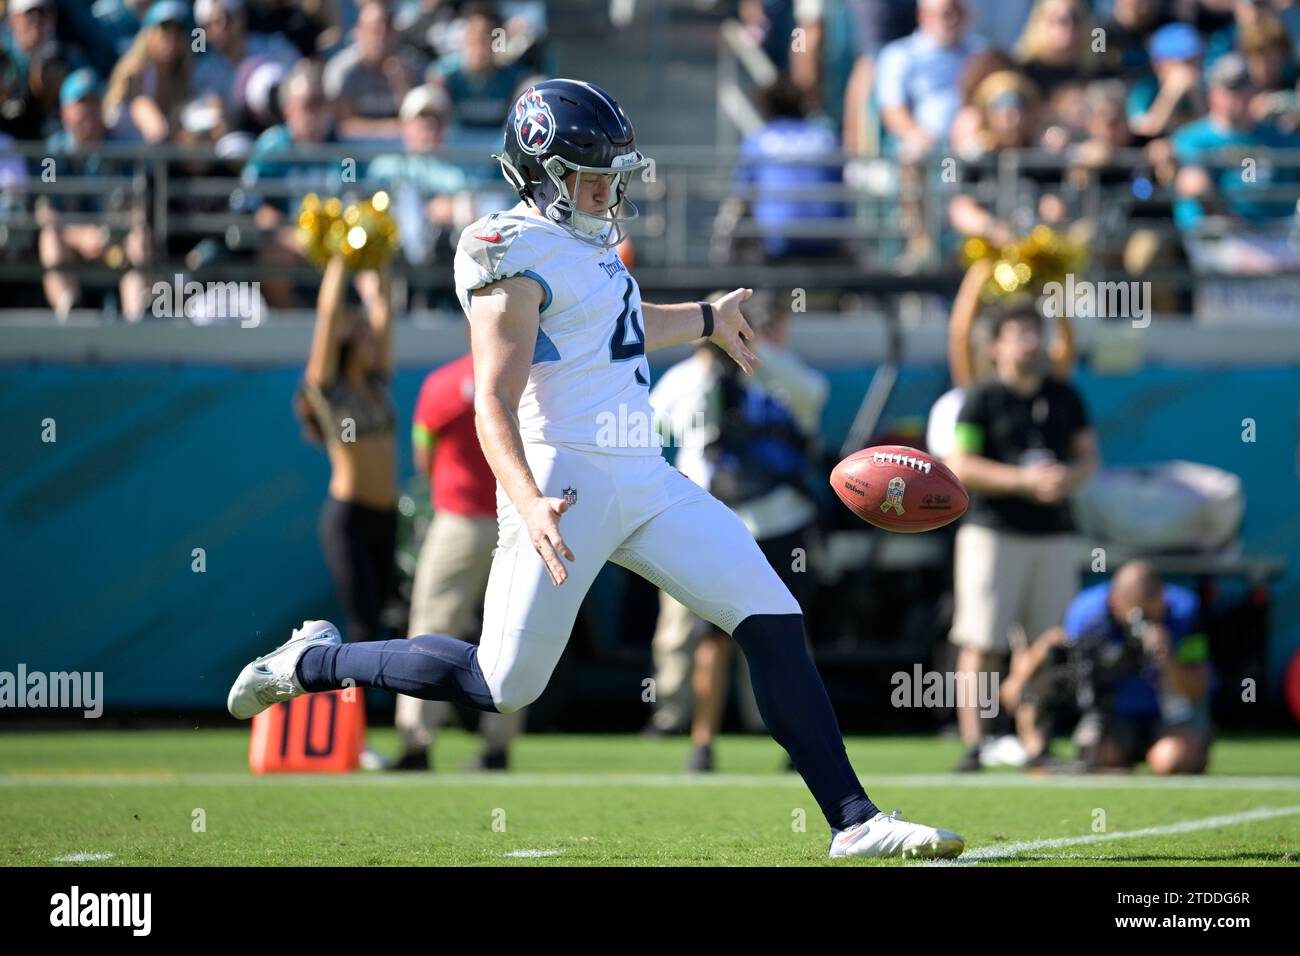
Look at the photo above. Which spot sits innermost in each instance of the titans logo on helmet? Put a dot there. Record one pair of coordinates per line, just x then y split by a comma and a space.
534, 122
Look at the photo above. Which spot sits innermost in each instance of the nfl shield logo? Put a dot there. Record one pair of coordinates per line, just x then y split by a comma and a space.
894, 495
571, 496
534, 122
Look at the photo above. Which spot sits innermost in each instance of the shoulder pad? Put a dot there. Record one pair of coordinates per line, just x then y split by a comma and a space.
488, 241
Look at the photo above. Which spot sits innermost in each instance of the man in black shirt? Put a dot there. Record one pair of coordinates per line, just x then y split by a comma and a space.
1023, 444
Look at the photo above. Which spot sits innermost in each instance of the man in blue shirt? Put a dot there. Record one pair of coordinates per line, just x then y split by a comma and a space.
778, 170
918, 78
1147, 696
1210, 152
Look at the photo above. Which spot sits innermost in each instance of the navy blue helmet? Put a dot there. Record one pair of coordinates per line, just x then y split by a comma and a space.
563, 127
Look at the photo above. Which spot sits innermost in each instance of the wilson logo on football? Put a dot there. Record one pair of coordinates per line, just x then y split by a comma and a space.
534, 122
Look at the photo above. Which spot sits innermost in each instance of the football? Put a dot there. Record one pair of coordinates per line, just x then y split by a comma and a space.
898, 488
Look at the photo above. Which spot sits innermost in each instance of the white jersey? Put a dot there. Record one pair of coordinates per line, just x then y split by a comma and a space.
589, 385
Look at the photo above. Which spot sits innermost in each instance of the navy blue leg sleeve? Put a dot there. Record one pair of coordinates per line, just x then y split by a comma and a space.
798, 714
430, 666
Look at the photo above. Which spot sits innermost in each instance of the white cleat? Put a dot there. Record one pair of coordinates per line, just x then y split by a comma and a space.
889, 835
272, 677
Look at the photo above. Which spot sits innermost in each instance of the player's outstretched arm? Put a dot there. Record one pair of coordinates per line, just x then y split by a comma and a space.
504, 318
667, 325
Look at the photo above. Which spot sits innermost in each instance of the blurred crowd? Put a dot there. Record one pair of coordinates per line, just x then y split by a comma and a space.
1159, 134
1173, 111
176, 72
256, 85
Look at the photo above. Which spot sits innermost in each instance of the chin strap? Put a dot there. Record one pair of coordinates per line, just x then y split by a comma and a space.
515, 178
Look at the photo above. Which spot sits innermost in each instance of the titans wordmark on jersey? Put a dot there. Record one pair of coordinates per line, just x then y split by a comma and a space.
589, 382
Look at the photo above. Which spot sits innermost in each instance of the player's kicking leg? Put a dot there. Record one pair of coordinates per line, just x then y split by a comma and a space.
785, 681
696, 548
316, 659
527, 620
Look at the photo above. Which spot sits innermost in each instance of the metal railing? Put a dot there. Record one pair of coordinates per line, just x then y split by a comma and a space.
188, 196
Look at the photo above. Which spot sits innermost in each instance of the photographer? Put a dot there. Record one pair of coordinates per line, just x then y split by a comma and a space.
1131, 652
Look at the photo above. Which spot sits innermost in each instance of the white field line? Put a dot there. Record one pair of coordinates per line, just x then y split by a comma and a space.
1008, 850
874, 783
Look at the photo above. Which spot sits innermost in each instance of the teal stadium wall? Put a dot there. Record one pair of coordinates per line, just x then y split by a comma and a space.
152, 461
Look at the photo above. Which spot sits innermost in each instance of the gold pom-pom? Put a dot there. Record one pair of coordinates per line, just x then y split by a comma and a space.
1026, 265
316, 220
364, 233
367, 237
973, 250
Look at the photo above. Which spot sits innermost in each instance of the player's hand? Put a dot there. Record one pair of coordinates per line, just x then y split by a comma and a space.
1047, 483
732, 333
542, 518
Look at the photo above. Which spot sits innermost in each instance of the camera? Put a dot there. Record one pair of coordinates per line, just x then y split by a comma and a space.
1089, 668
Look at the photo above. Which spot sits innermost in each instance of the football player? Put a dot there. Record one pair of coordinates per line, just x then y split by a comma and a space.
560, 337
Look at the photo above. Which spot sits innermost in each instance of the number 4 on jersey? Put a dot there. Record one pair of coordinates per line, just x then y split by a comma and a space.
620, 348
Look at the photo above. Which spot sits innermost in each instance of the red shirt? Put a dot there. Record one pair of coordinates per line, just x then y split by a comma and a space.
462, 482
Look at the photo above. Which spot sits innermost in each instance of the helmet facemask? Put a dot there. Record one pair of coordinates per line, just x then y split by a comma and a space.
559, 204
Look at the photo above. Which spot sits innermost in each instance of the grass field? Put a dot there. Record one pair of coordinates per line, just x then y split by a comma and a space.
130, 798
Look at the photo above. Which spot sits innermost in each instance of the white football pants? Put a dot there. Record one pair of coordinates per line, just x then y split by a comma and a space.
637, 511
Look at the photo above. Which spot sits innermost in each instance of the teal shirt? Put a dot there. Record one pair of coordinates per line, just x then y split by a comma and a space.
271, 159
84, 161
1142, 94
429, 175
479, 100
19, 61
1195, 144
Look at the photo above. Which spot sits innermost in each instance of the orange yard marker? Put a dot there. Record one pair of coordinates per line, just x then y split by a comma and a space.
315, 733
